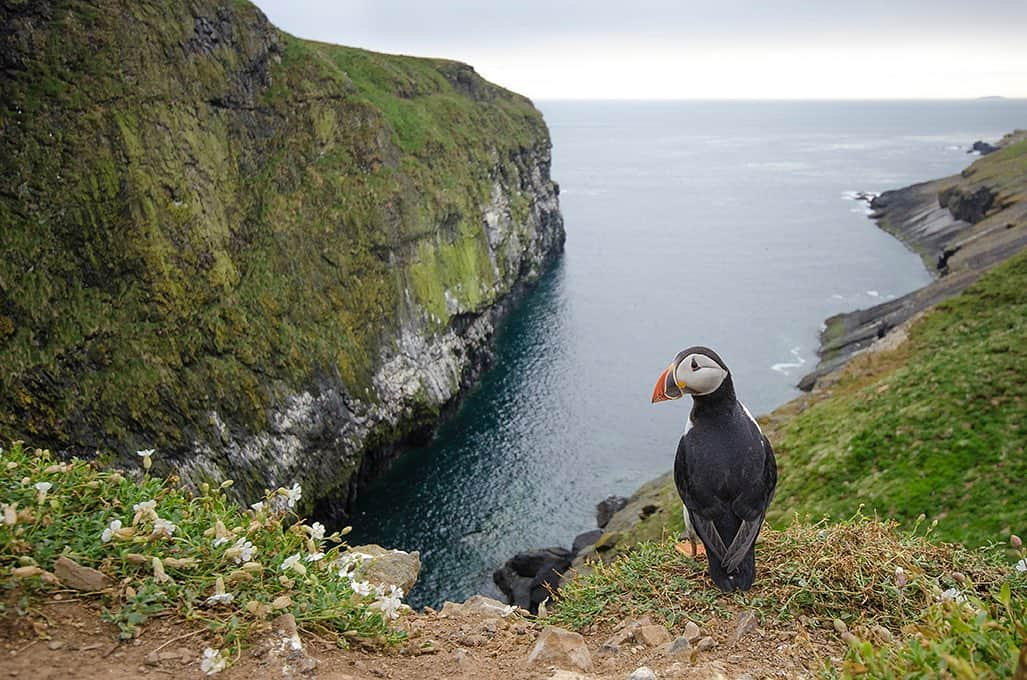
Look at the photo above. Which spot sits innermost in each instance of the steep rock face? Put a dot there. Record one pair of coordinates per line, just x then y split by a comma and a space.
273, 260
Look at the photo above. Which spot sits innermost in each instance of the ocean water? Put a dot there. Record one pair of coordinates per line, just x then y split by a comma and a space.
728, 224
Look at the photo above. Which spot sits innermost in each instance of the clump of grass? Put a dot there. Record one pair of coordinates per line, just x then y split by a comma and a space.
965, 637
863, 572
165, 549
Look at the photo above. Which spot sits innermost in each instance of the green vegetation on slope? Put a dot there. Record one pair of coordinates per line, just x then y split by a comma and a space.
162, 549
952, 609
200, 213
936, 427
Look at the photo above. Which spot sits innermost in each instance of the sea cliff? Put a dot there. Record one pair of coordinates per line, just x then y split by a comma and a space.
273, 260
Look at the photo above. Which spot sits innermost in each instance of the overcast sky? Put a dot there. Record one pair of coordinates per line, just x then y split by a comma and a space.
662, 49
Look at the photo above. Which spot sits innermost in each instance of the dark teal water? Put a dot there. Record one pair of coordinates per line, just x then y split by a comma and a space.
724, 224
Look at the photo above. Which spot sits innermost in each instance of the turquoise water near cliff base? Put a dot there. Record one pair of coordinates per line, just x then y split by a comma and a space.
726, 224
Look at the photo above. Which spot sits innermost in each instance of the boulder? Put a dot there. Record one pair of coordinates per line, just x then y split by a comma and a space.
561, 648
982, 148
583, 540
606, 507
642, 673
525, 576
388, 567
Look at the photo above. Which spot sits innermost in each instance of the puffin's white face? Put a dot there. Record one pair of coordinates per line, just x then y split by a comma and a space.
698, 374
694, 371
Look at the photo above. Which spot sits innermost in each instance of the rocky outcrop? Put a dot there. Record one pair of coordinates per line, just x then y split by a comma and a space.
272, 260
528, 578
961, 226
982, 148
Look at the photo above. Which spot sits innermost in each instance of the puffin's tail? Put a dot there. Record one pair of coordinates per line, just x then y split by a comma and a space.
742, 579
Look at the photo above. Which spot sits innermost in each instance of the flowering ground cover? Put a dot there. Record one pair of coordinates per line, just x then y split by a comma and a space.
159, 548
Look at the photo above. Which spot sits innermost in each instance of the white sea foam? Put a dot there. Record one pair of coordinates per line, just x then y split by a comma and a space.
873, 293
786, 367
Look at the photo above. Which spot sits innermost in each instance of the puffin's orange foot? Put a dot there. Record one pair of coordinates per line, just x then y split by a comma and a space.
686, 549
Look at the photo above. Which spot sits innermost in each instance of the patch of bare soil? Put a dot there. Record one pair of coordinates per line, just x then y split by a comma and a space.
66, 638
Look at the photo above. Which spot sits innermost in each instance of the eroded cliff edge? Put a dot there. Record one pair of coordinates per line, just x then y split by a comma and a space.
961, 226
272, 260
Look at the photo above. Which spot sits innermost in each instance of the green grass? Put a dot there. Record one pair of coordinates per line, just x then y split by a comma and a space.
938, 427
70, 518
826, 575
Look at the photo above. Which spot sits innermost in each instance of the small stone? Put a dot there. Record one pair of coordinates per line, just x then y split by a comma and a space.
74, 575
882, 633
473, 640
642, 673
609, 648
653, 636
285, 624
706, 643
746, 623
735, 658
681, 645
745, 676
839, 626
460, 656
54, 645
692, 631
562, 648
567, 675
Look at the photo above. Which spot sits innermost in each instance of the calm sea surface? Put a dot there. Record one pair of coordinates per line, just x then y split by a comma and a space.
725, 224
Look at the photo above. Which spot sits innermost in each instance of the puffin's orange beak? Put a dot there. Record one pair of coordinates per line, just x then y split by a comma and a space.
666, 388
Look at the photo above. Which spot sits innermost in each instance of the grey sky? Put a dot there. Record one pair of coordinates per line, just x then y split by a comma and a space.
715, 48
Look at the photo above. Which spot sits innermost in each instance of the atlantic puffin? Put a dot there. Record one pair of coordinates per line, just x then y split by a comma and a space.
724, 470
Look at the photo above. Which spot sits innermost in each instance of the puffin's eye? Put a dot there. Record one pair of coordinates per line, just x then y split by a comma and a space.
695, 364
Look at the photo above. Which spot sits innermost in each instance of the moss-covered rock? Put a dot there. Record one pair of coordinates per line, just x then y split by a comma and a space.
263, 256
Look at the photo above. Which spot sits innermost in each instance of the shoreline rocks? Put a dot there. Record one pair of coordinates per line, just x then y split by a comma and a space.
961, 226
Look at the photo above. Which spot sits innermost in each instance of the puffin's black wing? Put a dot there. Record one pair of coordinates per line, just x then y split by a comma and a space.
698, 514
751, 508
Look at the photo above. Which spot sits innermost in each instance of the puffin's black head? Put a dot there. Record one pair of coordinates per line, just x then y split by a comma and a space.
698, 371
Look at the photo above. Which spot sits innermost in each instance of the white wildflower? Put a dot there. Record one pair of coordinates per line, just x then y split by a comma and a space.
213, 662
147, 456
314, 557
390, 602
110, 531
144, 510
293, 562
361, 588
293, 495
1021, 566
219, 596
258, 507
163, 526
317, 531
41, 489
242, 551
952, 595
